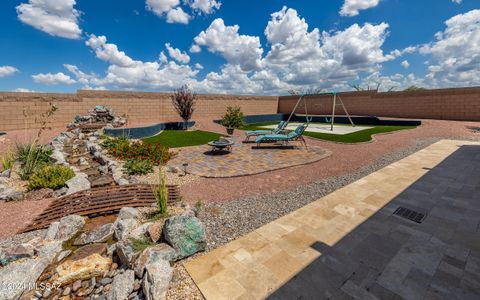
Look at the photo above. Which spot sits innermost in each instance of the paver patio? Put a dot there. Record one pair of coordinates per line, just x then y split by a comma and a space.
348, 245
244, 160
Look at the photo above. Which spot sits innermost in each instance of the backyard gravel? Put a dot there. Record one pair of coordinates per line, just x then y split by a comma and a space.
225, 221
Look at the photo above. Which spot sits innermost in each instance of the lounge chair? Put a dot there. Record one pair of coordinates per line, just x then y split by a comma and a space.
280, 127
295, 135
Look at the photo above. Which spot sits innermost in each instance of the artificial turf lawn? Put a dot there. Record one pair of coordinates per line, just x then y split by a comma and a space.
355, 137
182, 138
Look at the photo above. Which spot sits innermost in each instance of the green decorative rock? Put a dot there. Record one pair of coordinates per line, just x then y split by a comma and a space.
186, 234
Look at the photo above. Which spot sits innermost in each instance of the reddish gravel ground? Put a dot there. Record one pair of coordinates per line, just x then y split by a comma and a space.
344, 159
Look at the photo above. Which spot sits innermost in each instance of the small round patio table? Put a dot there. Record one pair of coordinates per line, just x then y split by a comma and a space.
221, 144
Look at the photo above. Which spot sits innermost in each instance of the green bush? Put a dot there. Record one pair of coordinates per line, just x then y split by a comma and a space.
141, 244
135, 166
7, 160
50, 176
233, 118
123, 149
32, 158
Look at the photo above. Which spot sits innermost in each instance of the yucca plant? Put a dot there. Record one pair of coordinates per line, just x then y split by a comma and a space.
161, 194
7, 160
32, 157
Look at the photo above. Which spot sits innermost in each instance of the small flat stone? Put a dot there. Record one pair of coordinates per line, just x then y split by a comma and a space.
99, 290
76, 285
106, 281
88, 250
67, 291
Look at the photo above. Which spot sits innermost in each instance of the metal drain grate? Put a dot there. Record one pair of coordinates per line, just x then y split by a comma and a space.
409, 214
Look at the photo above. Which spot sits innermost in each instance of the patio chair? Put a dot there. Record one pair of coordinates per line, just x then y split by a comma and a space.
280, 127
296, 135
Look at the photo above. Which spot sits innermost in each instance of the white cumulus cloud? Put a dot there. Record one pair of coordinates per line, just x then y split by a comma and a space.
405, 64
55, 17
455, 55
7, 71
243, 50
205, 6
352, 8
177, 15
53, 79
174, 10
177, 55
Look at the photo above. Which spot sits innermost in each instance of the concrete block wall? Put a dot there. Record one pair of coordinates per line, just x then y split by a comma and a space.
444, 104
23, 110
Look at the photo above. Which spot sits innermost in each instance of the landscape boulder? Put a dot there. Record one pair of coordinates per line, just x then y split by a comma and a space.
82, 269
186, 234
97, 235
125, 253
23, 274
152, 255
66, 228
78, 183
9, 194
128, 213
123, 228
17, 252
122, 286
6, 173
157, 279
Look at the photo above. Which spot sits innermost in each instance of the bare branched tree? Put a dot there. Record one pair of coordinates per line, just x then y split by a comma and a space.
183, 99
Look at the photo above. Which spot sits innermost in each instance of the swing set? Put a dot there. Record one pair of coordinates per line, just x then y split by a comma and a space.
337, 101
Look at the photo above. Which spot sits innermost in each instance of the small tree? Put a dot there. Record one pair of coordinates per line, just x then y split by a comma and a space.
184, 102
233, 118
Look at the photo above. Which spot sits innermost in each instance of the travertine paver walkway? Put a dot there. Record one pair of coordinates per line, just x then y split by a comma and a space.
348, 245
245, 159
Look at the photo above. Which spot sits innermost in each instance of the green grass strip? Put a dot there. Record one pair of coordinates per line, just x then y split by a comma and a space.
182, 138
354, 137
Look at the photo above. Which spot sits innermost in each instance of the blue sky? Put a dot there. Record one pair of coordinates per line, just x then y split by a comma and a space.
65, 45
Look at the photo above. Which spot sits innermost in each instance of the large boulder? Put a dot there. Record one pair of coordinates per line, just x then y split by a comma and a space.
66, 228
9, 194
58, 157
14, 253
155, 230
140, 232
125, 252
152, 255
6, 173
97, 235
22, 274
123, 228
157, 279
78, 183
48, 249
128, 213
122, 286
186, 234
82, 269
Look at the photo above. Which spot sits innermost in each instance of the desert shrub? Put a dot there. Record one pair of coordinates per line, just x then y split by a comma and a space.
183, 101
32, 158
233, 118
123, 149
50, 176
134, 166
161, 194
7, 160
141, 244
112, 143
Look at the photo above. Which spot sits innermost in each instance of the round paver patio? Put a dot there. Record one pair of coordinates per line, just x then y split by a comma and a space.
244, 159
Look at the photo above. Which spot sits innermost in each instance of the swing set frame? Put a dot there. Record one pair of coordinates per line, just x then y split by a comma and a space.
337, 101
